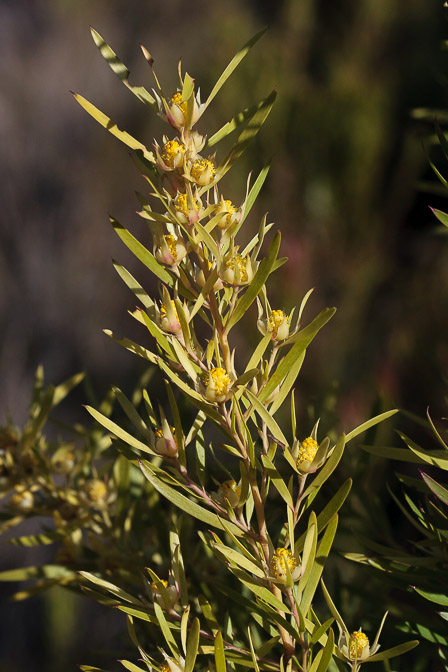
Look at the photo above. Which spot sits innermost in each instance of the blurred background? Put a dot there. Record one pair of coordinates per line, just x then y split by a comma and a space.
345, 188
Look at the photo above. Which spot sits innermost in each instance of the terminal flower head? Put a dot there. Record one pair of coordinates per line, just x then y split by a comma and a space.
186, 210
171, 156
230, 214
202, 172
177, 109
217, 385
309, 455
282, 563
236, 270
355, 647
169, 317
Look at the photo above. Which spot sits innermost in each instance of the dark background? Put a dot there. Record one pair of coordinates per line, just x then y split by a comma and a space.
347, 160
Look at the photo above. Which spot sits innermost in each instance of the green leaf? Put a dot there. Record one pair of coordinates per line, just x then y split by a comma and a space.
131, 667
287, 384
316, 572
370, 423
251, 130
328, 512
240, 560
121, 70
135, 348
236, 60
111, 588
208, 614
192, 646
62, 390
326, 655
164, 627
43, 539
438, 458
140, 251
441, 216
328, 468
436, 488
438, 598
185, 504
309, 552
110, 126
266, 417
44, 571
401, 454
302, 340
253, 193
262, 593
256, 285
395, 651
133, 285
220, 658
117, 431
277, 480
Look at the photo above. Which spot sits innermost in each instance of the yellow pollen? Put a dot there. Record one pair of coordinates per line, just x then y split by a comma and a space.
308, 450
170, 241
358, 642
170, 151
159, 433
163, 312
239, 261
96, 490
176, 99
181, 204
276, 320
282, 558
221, 380
200, 166
154, 586
230, 485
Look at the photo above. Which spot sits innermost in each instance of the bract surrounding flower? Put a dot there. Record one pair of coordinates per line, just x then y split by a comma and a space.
280, 560
236, 270
185, 213
171, 250
229, 213
166, 443
169, 318
230, 491
218, 384
167, 601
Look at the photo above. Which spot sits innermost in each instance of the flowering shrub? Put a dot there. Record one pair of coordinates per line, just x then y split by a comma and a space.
245, 594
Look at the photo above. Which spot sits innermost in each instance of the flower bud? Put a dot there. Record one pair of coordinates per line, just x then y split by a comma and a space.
229, 491
166, 443
161, 600
169, 318
281, 559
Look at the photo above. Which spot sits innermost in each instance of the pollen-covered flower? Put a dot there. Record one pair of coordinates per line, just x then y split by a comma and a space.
202, 172
172, 665
171, 250
172, 155
96, 491
169, 318
178, 108
187, 211
280, 561
236, 270
217, 385
63, 462
165, 442
230, 491
359, 645
167, 600
277, 324
309, 455
230, 214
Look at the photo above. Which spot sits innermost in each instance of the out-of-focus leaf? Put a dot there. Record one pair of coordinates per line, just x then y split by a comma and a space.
441, 216
111, 588
389, 453
302, 341
236, 60
43, 539
220, 658
61, 391
109, 125
185, 504
192, 646
44, 571
131, 667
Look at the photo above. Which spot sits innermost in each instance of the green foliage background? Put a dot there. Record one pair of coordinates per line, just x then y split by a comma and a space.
346, 162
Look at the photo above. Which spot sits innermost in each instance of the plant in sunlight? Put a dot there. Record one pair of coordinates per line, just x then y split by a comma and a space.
229, 576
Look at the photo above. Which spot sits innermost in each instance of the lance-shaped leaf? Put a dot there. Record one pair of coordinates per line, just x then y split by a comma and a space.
220, 658
395, 651
183, 503
30, 540
133, 285
132, 414
253, 126
240, 560
192, 646
302, 341
118, 431
266, 417
121, 70
133, 347
438, 458
328, 512
44, 571
438, 490
236, 60
309, 552
110, 126
441, 216
260, 591
166, 631
323, 550
323, 658
277, 480
370, 423
130, 666
438, 598
286, 386
390, 453
256, 285
111, 588
140, 251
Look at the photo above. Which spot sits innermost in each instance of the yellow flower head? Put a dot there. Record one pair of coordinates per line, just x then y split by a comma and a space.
231, 491
176, 99
22, 501
278, 324
171, 250
169, 319
218, 384
307, 451
228, 211
154, 584
172, 153
203, 171
358, 642
282, 558
181, 206
96, 490
236, 270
